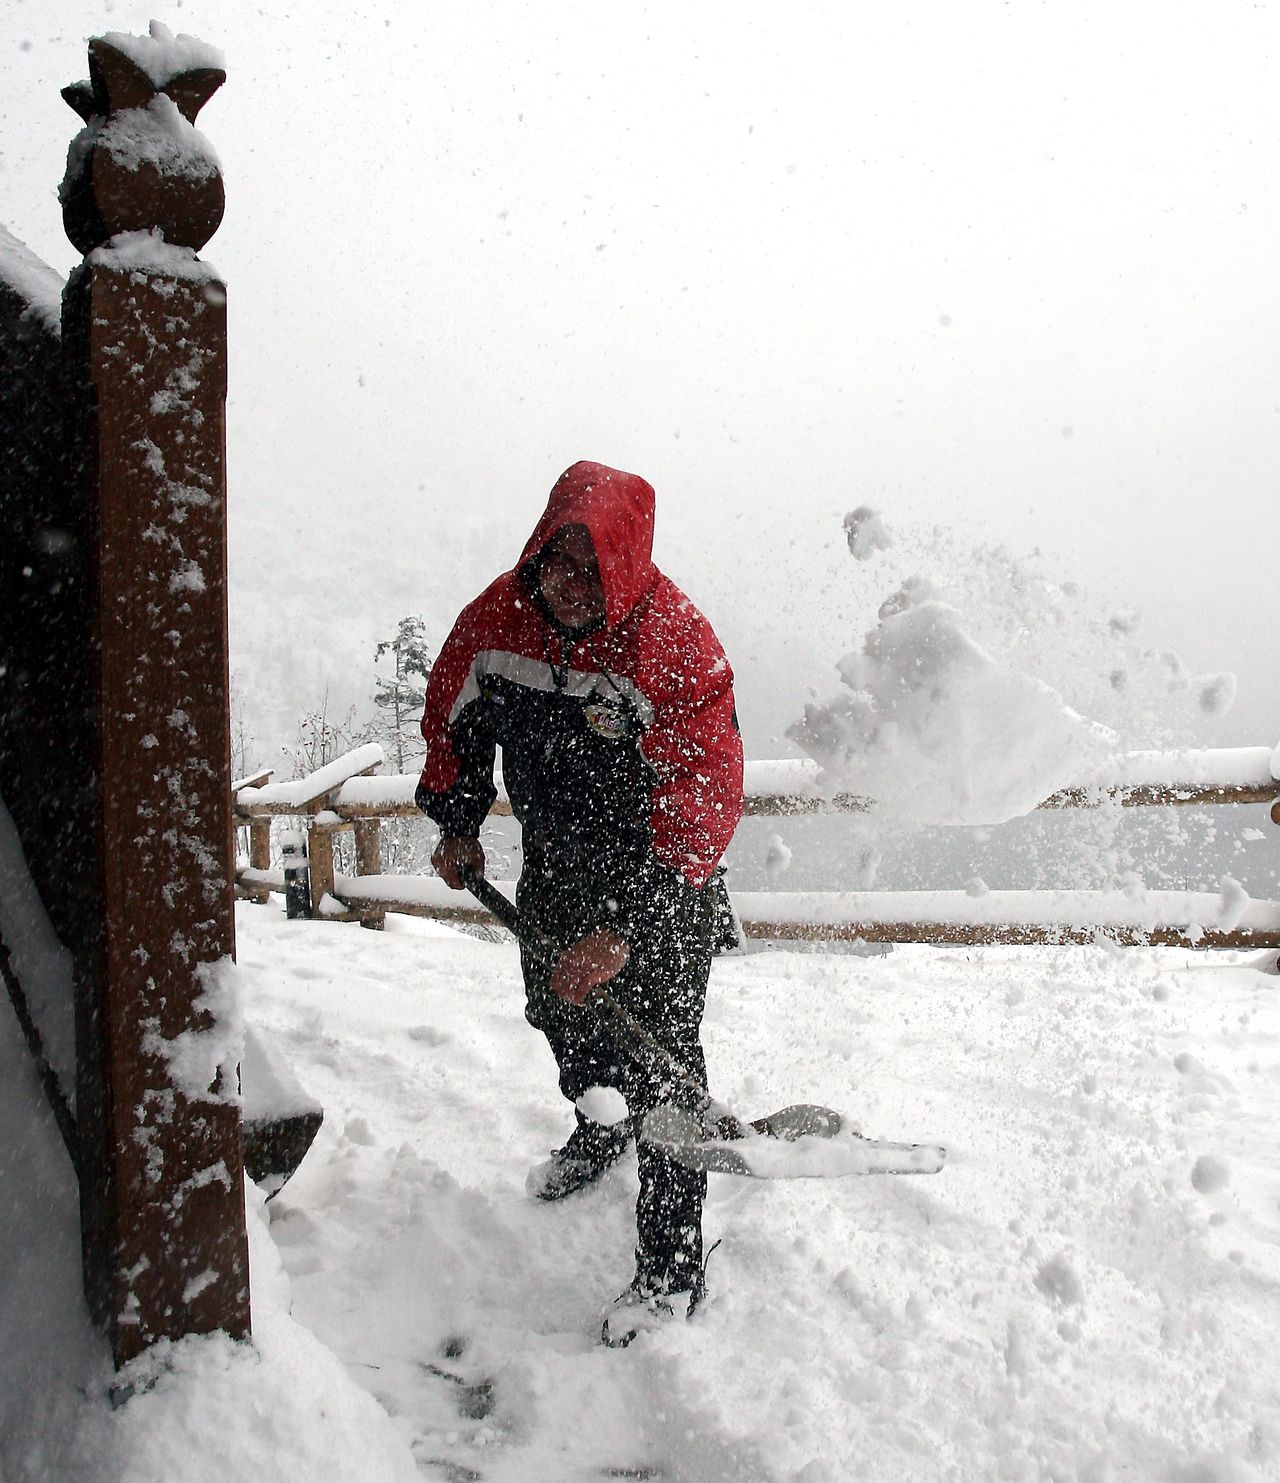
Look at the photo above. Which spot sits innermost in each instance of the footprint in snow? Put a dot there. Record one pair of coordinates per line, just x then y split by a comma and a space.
428, 1035
474, 1398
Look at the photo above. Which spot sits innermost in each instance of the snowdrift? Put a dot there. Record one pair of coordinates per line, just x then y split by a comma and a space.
1091, 1289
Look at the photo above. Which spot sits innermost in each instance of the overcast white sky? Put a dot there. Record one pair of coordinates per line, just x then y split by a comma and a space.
1005, 269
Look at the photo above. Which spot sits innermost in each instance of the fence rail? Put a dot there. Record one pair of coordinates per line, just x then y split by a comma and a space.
347, 794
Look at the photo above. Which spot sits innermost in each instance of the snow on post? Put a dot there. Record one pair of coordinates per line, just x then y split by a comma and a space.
144, 327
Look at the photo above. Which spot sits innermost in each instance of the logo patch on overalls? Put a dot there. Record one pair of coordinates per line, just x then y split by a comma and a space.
609, 721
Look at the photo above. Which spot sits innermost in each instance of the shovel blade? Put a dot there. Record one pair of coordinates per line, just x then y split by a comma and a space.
800, 1142
802, 1120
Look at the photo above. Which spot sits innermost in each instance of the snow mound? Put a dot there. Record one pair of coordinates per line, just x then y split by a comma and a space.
148, 252
208, 1408
1067, 1300
204, 1409
937, 730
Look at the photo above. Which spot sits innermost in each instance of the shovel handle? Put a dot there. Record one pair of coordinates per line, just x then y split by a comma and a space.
627, 1031
488, 895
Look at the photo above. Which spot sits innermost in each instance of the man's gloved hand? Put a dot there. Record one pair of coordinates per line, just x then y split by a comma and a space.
591, 961
454, 854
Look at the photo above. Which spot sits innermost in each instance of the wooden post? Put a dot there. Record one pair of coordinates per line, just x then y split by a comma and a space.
320, 853
369, 862
260, 853
144, 330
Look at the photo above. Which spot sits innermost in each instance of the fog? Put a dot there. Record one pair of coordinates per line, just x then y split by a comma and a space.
1005, 273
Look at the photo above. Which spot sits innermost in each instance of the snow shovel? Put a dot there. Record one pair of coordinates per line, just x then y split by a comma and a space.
801, 1141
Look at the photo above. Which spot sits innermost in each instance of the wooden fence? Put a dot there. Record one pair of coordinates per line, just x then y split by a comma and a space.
348, 795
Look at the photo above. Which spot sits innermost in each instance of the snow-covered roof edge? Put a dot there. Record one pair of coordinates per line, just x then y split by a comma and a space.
33, 280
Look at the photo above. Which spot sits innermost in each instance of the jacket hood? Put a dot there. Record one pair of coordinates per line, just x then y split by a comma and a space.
617, 510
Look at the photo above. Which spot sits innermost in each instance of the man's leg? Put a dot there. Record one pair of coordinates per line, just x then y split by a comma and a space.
664, 986
669, 1223
585, 1058
667, 995
668, 1281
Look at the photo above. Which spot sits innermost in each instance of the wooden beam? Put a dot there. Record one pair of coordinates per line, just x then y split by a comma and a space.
790, 805
1127, 795
1163, 795
354, 811
473, 916
944, 934
1011, 934
254, 780
501, 809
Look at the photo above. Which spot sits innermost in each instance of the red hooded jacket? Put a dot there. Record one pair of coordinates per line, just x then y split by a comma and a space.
620, 745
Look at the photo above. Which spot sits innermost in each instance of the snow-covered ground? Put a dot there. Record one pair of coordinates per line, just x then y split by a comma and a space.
1090, 1289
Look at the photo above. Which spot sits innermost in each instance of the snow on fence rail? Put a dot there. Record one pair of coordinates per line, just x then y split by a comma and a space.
348, 795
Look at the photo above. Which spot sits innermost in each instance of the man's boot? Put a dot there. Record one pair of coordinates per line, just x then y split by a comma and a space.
651, 1301
591, 1148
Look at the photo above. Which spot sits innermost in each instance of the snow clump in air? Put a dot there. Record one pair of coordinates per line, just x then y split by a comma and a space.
866, 532
937, 730
603, 1105
776, 859
913, 592
1088, 645
1217, 693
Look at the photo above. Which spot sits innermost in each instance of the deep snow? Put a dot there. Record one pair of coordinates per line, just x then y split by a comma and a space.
1090, 1289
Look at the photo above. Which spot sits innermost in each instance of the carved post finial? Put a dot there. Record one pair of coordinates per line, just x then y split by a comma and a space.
140, 164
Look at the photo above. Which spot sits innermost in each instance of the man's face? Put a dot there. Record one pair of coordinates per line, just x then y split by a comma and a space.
570, 578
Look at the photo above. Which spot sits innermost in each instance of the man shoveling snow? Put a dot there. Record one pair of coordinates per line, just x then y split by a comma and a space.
612, 701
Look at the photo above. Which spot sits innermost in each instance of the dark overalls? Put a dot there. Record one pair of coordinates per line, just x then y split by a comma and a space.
664, 986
